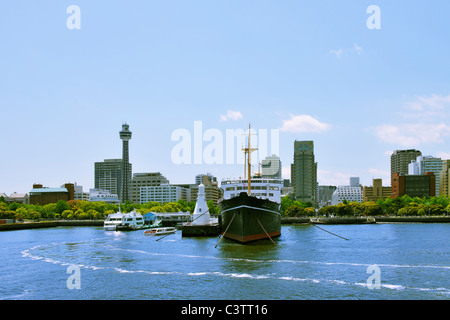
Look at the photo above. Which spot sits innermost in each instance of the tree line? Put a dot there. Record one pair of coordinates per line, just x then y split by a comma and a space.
400, 206
85, 210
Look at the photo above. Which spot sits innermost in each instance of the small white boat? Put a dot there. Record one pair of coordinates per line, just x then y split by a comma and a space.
160, 231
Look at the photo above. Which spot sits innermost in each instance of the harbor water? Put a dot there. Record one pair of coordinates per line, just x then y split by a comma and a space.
379, 261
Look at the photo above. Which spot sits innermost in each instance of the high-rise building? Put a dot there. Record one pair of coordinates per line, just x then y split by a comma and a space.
271, 167
125, 136
304, 172
424, 164
400, 160
145, 179
444, 176
108, 175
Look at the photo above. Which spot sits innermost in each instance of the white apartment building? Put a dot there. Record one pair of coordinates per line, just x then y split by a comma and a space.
350, 193
164, 193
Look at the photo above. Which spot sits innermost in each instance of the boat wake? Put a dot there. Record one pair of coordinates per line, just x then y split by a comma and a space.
45, 254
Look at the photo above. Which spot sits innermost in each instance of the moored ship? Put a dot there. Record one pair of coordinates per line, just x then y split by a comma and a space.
250, 208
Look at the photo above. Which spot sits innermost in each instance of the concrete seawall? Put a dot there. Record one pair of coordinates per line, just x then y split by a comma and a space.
284, 220
51, 224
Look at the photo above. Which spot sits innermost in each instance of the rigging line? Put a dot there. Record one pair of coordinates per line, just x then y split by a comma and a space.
329, 232
265, 231
225, 230
164, 236
189, 223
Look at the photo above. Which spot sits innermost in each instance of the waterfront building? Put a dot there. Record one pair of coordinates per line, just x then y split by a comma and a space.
164, 193
97, 195
211, 188
79, 194
351, 193
304, 172
16, 197
108, 175
376, 191
125, 136
271, 167
413, 185
424, 164
400, 159
444, 179
325, 195
43, 195
200, 178
145, 179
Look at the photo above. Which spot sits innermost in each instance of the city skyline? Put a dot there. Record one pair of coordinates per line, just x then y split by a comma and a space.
312, 71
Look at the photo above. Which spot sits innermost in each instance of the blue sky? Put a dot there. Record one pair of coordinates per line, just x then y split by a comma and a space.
311, 69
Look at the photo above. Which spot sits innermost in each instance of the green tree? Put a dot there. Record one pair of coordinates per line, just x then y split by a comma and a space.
286, 202
61, 205
65, 214
294, 211
213, 209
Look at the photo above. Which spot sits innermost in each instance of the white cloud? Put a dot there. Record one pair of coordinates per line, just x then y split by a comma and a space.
231, 115
303, 123
443, 155
378, 173
337, 53
427, 108
358, 49
349, 51
325, 177
412, 135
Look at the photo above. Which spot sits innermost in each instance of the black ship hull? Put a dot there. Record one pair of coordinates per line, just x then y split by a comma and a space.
247, 218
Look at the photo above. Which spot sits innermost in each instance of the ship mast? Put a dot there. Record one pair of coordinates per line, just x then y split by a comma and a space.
248, 152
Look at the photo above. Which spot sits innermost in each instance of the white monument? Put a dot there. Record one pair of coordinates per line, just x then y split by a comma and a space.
201, 213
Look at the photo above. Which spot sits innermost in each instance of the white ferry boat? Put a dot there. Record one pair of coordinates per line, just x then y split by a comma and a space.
124, 221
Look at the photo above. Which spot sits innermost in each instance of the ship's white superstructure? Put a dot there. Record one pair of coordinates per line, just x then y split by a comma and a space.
263, 188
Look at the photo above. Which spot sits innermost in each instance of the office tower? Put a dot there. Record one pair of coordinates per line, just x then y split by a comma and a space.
424, 164
125, 136
354, 181
271, 167
444, 179
400, 160
304, 172
108, 175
